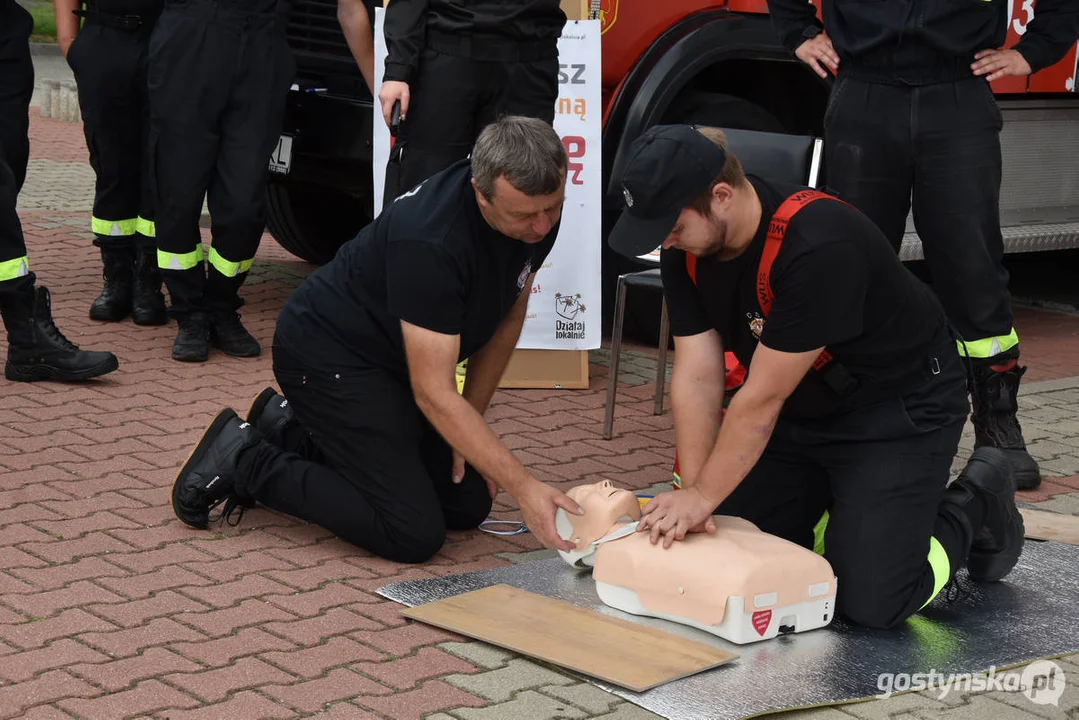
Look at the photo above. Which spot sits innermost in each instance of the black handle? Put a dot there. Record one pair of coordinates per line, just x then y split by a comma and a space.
395, 117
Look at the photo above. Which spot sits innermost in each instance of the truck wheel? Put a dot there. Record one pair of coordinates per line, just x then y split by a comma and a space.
641, 321
311, 223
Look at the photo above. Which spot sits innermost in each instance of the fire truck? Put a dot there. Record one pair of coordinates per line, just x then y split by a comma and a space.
714, 62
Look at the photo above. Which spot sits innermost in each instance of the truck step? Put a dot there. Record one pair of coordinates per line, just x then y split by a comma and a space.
1019, 239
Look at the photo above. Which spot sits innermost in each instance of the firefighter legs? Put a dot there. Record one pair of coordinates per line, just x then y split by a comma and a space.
250, 127
37, 350
956, 211
109, 66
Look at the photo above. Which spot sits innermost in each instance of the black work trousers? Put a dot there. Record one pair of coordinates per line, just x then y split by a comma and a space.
16, 89
366, 464
451, 99
219, 77
109, 64
880, 473
937, 146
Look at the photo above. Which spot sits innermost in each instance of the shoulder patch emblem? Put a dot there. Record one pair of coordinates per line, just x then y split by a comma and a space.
523, 277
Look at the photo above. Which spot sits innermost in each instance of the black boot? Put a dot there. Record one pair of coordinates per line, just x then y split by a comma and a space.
37, 350
147, 300
208, 477
994, 402
117, 269
983, 497
192, 342
228, 335
271, 415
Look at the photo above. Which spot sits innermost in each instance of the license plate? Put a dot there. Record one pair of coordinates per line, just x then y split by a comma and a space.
281, 157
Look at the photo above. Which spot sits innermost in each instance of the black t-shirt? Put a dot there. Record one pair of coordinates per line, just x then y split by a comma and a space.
429, 259
836, 282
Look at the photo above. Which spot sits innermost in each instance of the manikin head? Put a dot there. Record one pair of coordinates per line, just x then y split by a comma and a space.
519, 177
605, 508
684, 190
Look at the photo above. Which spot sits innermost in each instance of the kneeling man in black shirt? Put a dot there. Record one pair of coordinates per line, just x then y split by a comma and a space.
854, 399
373, 439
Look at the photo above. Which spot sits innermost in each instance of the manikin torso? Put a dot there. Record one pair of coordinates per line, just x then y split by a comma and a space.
739, 583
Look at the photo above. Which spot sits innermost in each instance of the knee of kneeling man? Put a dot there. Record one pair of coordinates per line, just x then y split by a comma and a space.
470, 516
871, 607
418, 544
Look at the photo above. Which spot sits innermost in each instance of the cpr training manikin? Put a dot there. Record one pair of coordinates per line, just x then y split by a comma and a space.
741, 584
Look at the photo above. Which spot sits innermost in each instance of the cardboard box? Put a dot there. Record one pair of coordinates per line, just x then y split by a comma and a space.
548, 369
576, 9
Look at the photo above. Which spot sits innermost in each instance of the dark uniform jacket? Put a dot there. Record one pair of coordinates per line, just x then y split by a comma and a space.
919, 42
477, 27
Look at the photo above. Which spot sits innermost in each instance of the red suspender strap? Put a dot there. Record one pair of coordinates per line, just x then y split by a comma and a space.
777, 230
691, 267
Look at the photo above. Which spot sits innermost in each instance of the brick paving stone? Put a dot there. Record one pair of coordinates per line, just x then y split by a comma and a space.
501, 684
414, 704
218, 684
147, 696
311, 661
587, 697
408, 672
61, 653
223, 651
121, 674
42, 690
312, 695
244, 705
527, 705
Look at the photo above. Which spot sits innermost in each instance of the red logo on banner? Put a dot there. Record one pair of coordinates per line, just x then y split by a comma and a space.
574, 149
761, 619
608, 13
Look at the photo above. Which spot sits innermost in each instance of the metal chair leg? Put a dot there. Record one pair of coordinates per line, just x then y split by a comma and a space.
661, 362
616, 350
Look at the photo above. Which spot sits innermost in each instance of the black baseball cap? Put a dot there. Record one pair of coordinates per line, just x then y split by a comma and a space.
668, 166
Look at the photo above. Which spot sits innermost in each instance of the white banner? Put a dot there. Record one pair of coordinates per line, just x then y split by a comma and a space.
564, 311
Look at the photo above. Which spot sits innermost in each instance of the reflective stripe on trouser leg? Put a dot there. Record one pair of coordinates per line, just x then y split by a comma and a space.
229, 268
180, 261
818, 533
988, 347
942, 568
124, 227
17, 268
145, 227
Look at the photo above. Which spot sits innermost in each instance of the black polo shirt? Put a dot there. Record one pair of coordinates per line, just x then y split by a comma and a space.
430, 259
837, 283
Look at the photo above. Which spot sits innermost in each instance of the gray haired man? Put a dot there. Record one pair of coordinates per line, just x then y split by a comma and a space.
373, 439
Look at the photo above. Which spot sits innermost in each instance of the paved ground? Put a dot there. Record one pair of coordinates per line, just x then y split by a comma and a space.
109, 607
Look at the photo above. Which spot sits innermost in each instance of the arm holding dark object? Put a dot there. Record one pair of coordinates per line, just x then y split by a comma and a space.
356, 25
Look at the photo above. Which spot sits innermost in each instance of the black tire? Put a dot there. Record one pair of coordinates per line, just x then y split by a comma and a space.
313, 222
642, 314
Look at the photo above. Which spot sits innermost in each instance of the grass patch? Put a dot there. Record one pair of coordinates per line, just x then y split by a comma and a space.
44, 23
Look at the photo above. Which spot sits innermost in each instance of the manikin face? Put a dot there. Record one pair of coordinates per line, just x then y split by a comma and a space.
604, 507
703, 235
527, 218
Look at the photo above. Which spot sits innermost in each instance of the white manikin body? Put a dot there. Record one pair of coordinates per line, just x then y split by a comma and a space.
740, 584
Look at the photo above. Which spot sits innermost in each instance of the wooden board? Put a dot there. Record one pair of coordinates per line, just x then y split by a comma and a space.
1045, 525
611, 649
549, 369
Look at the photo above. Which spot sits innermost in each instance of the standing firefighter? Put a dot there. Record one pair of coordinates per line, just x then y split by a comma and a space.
912, 118
37, 350
108, 58
457, 65
219, 75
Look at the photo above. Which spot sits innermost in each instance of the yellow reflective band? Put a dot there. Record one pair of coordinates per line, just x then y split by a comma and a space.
145, 227
942, 568
17, 268
113, 228
179, 261
988, 347
818, 533
227, 267
677, 482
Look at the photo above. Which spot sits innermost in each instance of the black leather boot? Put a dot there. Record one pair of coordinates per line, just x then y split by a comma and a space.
994, 402
983, 496
229, 335
37, 350
117, 270
192, 342
147, 300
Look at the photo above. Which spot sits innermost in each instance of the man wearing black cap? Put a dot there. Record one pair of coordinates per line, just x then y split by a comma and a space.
854, 400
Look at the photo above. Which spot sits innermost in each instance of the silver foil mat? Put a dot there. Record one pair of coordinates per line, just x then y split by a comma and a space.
1033, 614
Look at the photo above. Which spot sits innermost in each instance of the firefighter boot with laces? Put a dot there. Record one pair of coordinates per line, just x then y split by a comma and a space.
983, 499
228, 335
192, 343
37, 350
117, 271
208, 478
147, 300
994, 402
